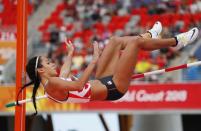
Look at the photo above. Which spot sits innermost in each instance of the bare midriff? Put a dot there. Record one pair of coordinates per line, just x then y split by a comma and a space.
98, 90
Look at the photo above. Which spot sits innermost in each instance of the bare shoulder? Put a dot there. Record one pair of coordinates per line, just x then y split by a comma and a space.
55, 89
56, 81
63, 84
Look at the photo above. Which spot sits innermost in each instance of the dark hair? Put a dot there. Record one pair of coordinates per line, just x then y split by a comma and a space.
31, 67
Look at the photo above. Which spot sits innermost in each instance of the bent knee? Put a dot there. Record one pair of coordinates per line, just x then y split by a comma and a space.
115, 41
137, 40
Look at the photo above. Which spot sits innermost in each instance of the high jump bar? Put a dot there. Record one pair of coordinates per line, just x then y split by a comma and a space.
184, 66
162, 71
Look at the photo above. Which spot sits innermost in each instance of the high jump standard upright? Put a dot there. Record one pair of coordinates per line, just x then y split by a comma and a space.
21, 56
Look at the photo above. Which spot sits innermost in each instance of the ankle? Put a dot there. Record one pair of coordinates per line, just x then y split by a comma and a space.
176, 42
149, 33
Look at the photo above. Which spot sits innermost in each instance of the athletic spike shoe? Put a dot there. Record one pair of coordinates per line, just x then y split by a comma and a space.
156, 30
186, 38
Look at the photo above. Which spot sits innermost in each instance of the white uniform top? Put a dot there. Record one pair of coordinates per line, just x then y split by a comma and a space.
81, 96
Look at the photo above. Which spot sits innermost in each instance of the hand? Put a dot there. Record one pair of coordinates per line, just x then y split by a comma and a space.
69, 46
97, 51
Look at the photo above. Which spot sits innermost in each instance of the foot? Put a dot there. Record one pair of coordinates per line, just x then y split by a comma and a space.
186, 38
156, 30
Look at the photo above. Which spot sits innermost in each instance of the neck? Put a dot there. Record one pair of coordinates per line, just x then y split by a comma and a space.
44, 80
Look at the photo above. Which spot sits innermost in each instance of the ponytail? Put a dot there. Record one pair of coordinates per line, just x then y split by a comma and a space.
36, 86
20, 91
31, 69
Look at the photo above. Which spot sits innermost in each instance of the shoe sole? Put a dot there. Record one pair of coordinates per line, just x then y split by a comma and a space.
194, 34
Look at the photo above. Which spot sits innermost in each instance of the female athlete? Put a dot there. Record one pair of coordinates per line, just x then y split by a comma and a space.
113, 71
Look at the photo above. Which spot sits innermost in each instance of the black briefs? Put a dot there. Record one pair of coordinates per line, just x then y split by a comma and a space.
112, 92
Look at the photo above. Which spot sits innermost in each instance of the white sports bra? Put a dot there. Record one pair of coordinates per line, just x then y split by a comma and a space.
81, 96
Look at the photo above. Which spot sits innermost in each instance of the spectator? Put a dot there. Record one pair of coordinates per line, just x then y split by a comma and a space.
143, 66
1, 6
54, 36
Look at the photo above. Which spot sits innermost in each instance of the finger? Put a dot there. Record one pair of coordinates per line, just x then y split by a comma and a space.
95, 43
67, 43
66, 40
95, 47
70, 42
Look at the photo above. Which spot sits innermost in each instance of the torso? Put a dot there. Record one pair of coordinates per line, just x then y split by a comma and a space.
93, 90
98, 90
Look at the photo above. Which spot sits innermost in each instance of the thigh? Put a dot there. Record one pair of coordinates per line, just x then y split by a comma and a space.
125, 67
108, 59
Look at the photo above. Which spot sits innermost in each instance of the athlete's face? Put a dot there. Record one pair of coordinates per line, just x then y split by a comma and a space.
48, 66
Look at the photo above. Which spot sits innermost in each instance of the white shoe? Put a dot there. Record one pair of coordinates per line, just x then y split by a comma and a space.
186, 38
156, 30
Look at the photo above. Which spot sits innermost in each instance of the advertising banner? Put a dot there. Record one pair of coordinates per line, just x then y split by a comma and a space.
143, 97
8, 36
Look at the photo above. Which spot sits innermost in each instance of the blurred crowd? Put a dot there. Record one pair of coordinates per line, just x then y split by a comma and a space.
84, 21
192, 73
8, 31
9, 8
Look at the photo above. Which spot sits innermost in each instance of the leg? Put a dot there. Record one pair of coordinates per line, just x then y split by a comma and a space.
110, 56
180, 40
145, 35
108, 59
146, 43
125, 67
127, 61
126, 64
153, 44
122, 69
111, 53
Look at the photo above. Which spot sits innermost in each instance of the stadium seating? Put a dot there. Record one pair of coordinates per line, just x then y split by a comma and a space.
118, 23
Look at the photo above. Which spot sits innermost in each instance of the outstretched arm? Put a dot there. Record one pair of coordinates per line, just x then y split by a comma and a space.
62, 85
86, 74
66, 67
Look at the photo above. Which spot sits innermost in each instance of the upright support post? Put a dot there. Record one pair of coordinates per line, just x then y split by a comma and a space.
103, 122
21, 56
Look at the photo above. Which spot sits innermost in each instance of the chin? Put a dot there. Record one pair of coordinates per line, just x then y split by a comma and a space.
56, 73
